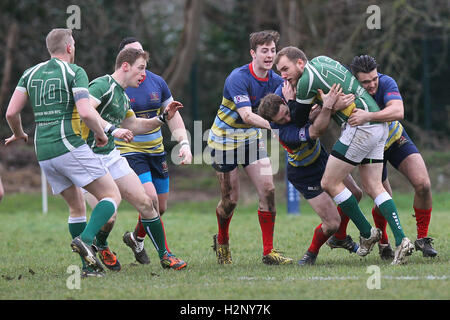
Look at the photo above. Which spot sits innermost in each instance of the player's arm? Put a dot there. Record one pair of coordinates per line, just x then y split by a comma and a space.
322, 121
179, 134
253, 119
142, 125
107, 127
394, 110
16, 104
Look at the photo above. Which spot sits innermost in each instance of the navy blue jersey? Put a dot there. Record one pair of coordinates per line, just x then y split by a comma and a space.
146, 101
242, 89
387, 91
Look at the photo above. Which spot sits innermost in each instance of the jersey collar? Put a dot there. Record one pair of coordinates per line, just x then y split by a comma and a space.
250, 67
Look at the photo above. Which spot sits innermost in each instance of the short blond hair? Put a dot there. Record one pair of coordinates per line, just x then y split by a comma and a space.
57, 39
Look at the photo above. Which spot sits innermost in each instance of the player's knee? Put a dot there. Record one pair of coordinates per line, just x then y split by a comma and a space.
423, 188
330, 226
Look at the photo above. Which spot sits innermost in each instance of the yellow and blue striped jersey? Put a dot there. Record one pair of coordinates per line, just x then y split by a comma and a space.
242, 89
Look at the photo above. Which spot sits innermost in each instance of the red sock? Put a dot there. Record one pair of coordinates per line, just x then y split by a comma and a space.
267, 223
341, 233
380, 223
318, 240
423, 217
224, 224
139, 231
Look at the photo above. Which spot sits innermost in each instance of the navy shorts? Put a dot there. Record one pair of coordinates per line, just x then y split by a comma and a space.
151, 168
225, 161
307, 179
397, 152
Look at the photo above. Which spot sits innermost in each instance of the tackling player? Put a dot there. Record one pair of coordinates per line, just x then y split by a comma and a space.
399, 150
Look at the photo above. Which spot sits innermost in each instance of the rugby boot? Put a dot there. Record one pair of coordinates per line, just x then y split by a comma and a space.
308, 259
87, 253
366, 245
276, 257
137, 247
222, 251
346, 243
403, 250
88, 273
169, 261
109, 259
426, 246
385, 251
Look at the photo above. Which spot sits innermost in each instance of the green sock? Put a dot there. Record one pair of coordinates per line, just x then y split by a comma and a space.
101, 239
155, 231
76, 227
390, 213
349, 205
100, 215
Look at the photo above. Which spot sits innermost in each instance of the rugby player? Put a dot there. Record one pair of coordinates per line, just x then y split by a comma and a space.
109, 98
145, 153
58, 93
235, 138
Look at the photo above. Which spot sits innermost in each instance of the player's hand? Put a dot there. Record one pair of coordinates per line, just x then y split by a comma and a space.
171, 109
124, 134
343, 101
185, 154
331, 97
358, 117
288, 91
101, 139
315, 110
13, 138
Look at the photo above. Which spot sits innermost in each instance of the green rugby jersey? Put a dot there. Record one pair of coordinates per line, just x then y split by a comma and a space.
114, 107
50, 86
321, 73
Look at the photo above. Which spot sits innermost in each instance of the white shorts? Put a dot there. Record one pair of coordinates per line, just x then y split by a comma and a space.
78, 167
361, 144
116, 164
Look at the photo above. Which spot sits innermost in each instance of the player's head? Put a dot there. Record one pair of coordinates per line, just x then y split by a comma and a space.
364, 68
290, 62
274, 109
60, 42
263, 47
130, 42
131, 63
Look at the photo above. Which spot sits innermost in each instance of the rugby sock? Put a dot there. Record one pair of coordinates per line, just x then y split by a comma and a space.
380, 223
423, 217
76, 227
341, 233
318, 240
224, 224
139, 231
165, 239
102, 212
389, 211
267, 223
349, 205
101, 239
154, 229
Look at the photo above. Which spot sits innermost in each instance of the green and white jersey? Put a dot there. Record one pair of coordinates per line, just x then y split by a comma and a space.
321, 73
50, 86
114, 107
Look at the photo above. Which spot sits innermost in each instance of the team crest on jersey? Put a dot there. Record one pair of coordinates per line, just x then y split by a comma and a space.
241, 98
164, 166
154, 96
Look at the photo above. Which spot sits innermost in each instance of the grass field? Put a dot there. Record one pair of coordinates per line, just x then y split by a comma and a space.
35, 255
